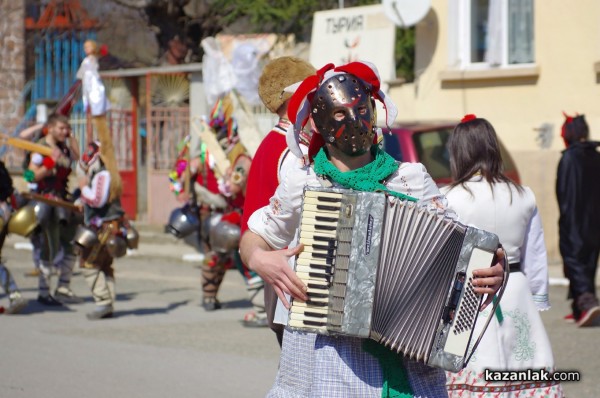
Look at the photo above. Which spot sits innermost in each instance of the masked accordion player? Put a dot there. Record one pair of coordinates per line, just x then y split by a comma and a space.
382, 268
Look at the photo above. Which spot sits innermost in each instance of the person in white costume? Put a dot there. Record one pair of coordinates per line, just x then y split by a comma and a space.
484, 197
339, 103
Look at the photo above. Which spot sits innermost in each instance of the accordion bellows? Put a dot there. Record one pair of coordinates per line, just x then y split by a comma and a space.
393, 271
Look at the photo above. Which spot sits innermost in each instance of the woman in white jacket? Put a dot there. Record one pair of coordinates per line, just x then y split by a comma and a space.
484, 197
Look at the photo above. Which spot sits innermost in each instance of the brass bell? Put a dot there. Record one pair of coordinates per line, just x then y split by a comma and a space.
23, 221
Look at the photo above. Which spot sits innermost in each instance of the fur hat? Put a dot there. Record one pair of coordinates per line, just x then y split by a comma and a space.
279, 74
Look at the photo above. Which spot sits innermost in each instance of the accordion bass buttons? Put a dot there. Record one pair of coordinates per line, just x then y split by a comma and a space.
450, 309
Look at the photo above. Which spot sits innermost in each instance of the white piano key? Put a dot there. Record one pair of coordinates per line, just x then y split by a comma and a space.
310, 241
308, 260
330, 210
300, 307
320, 215
314, 229
317, 194
304, 276
305, 319
307, 269
300, 324
319, 249
310, 256
314, 221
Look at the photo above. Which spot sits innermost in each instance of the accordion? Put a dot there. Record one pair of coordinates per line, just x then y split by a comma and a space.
381, 268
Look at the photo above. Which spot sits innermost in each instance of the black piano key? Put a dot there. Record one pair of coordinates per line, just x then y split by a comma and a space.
317, 295
329, 199
315, 314
317, 286
322, 238
327, 208
325, 227
329, 247
314, 323
328, 257
326, 219
316, 303
327, 278
326, 268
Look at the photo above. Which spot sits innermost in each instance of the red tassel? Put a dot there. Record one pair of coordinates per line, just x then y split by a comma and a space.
309, 84
364, 72
316, 143
48, 163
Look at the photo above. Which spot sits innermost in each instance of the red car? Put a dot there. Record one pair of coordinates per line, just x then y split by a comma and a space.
426, 143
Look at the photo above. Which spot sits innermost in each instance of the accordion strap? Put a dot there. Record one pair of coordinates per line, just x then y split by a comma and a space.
496, 303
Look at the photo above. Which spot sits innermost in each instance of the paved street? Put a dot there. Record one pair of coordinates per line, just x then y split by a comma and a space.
163, 344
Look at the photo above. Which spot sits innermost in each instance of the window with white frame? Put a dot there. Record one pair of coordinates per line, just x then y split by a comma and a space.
490, 33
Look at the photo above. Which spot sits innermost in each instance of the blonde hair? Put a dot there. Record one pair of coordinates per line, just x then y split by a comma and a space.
93, 45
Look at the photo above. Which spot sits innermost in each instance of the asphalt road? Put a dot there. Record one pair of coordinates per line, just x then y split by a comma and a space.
163, 344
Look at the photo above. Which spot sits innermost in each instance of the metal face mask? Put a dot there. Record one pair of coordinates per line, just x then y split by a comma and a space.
342, 111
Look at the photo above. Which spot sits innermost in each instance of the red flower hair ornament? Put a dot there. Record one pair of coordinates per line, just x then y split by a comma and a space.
299, 105
468, 118
103, 50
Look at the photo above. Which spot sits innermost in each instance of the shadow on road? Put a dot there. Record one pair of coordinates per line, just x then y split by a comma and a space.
235, 304
151, 311
33, 307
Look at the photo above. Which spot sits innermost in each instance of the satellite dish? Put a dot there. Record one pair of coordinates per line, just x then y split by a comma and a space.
406, 13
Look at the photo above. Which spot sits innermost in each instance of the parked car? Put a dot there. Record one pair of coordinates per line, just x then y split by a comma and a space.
425, 142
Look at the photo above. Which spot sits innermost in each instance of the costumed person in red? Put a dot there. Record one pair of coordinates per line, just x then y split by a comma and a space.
269, 165
104, 238
578, 195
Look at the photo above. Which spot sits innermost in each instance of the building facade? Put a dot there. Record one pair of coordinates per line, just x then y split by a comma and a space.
536, 59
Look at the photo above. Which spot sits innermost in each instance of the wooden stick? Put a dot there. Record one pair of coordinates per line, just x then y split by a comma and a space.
26, 145
50, 201
208, 137
187, 175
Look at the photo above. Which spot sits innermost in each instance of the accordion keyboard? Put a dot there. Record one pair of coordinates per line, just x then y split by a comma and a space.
315, 265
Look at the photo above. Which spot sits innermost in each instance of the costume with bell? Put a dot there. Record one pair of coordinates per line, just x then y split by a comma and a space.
58, 224
104, 236
7, 203
210, 220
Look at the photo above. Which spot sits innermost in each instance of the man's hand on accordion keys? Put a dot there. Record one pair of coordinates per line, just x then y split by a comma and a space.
489, 280
273, 267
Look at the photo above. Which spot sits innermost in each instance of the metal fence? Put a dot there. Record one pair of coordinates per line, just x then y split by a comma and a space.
166, 128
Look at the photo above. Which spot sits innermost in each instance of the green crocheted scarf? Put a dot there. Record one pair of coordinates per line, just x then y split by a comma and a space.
368, 178
395, 377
